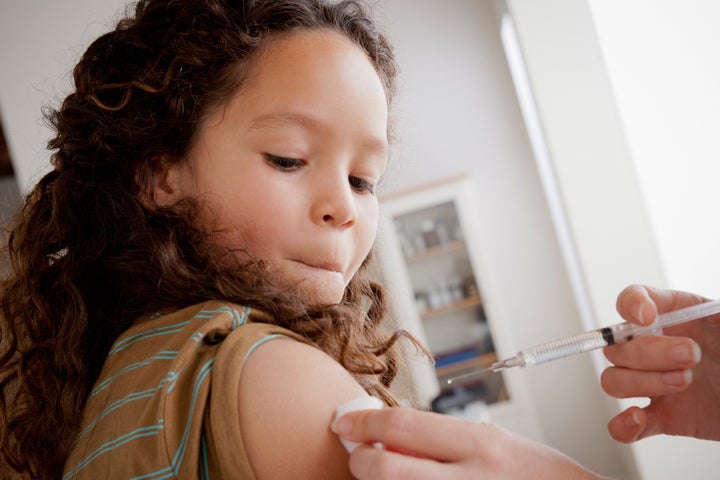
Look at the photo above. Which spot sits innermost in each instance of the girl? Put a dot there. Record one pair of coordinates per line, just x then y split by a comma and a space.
213, 188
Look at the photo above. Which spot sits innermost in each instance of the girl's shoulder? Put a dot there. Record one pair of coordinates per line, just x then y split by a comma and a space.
287, 396
208, 323
169, 386
272, 391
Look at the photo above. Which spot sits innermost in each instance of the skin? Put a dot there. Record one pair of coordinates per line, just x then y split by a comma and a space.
287, 171
679, 371
423, 445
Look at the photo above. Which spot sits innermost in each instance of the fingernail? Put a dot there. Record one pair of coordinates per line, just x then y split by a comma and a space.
697, 352
684, 353
342, 426
640, 312
677, 378
631, 420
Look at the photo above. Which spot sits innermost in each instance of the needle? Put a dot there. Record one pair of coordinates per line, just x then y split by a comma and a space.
601, 337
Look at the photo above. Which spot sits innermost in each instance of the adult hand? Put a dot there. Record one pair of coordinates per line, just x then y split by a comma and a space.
422, 445
679, 371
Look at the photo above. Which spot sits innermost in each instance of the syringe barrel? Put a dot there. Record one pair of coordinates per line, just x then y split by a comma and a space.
565, 347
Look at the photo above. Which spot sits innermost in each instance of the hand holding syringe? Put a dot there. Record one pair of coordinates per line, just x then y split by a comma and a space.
602, 337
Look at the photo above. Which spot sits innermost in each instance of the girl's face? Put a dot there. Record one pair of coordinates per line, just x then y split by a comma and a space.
288, 167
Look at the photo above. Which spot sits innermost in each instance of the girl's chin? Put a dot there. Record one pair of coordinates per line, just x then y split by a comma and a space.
321, 293
317, 286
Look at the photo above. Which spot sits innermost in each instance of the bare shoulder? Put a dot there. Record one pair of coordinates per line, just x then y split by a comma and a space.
287, 397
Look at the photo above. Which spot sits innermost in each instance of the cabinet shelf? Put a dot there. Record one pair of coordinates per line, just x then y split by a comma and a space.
433, 251
482, 361
469, 302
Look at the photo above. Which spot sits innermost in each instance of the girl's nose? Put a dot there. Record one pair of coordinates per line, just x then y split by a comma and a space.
334, 205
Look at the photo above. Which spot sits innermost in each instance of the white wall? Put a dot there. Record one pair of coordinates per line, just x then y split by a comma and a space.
664, 67
632, 159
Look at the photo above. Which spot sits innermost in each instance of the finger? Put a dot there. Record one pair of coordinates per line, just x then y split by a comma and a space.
371, 463
635, 305
655, 353
641, 304
625, 383
628, 426
634, 424
427, 434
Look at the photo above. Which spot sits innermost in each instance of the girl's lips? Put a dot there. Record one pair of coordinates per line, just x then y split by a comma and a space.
332, 267
329, 266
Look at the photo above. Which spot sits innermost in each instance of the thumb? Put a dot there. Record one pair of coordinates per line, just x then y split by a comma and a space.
628, 426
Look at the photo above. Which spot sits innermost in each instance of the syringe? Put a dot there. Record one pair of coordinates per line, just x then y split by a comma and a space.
602, 337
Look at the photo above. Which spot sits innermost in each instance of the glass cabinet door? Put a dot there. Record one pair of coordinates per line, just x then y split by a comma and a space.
449, 301
433, 265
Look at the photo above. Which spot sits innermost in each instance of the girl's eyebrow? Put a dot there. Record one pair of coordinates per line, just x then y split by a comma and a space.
269, 121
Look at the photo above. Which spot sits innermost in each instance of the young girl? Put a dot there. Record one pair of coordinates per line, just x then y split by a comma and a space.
188, 295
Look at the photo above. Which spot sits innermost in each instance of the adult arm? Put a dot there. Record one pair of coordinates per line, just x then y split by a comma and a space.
423, 445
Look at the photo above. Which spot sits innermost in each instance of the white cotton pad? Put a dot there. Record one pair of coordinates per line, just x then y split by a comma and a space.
361, 403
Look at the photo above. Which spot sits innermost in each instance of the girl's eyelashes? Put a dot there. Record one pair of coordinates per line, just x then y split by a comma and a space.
362, 186
283, 163
286, 164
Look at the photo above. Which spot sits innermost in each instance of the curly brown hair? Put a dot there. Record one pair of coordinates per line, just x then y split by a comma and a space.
89, 255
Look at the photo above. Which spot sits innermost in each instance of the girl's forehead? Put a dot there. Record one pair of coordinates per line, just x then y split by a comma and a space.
303, 69
299, 51
317, 80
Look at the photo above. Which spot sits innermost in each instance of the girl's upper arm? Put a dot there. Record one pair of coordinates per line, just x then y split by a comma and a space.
287, 397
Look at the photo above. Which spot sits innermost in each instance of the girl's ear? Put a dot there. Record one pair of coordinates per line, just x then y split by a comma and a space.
162, 186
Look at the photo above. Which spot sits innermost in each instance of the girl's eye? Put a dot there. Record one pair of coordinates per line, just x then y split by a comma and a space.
283, 163
361, 186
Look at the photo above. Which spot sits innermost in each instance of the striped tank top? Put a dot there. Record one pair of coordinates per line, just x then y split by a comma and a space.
151, 416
